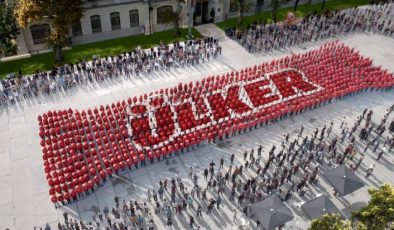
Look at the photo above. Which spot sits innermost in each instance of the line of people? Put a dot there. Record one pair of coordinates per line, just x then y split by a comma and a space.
259, 37
129, 65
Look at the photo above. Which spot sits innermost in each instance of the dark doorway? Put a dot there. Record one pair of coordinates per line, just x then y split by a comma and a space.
201, 15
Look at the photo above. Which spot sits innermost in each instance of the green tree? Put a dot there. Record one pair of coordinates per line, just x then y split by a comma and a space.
177, 15
379, 213
276, 4
243, 7
60, 13
174, 16
8, 31
330, 222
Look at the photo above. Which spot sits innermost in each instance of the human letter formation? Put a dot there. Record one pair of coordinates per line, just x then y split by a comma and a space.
81, 149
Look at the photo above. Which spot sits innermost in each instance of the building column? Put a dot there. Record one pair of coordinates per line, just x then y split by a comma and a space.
148, 22
21, 44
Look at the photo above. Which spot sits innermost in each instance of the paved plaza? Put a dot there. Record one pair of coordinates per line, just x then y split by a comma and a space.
24, 198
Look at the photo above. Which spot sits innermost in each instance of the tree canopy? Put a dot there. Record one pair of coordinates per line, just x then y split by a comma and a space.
275, 6
8, 30
330, 222
379, 213
243, 7
60, 13
174, 16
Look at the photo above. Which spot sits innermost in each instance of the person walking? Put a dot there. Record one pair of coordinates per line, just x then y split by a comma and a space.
204, 194
210, 206
209, 184
199, 213
161, 192
301, 131
221, 163
370, 170
259, 150
303, 191
343, 135
154, 194
47, 226
376, 146
206, 174
381, 153
195, 179
365, 111
116, 199
240, 198
149, 196
190, 202
169, 222
218, 202
106, 211
234, 215
165, 183
391, 127
65, 215
191, 222
353, 154
342, 122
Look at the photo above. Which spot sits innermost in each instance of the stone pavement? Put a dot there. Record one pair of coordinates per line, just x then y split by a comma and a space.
24, 198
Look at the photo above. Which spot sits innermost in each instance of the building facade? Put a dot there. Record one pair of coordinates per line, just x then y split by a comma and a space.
107, 19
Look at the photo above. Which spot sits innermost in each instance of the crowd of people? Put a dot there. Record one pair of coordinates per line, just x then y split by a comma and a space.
82, 149
294, 167
259, 37
129, 65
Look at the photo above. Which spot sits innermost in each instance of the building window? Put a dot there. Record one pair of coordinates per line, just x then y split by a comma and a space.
233, 7
134, 19
76, 29
40, 33
115, 20
162, 14
96, 23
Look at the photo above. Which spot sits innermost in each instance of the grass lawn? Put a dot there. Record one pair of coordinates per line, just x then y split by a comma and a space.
302, 10
104, 48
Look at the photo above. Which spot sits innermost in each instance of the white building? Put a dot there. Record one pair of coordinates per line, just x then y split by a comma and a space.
106, 19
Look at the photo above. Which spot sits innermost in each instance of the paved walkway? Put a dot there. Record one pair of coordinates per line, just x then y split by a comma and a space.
234, 55
24, 200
